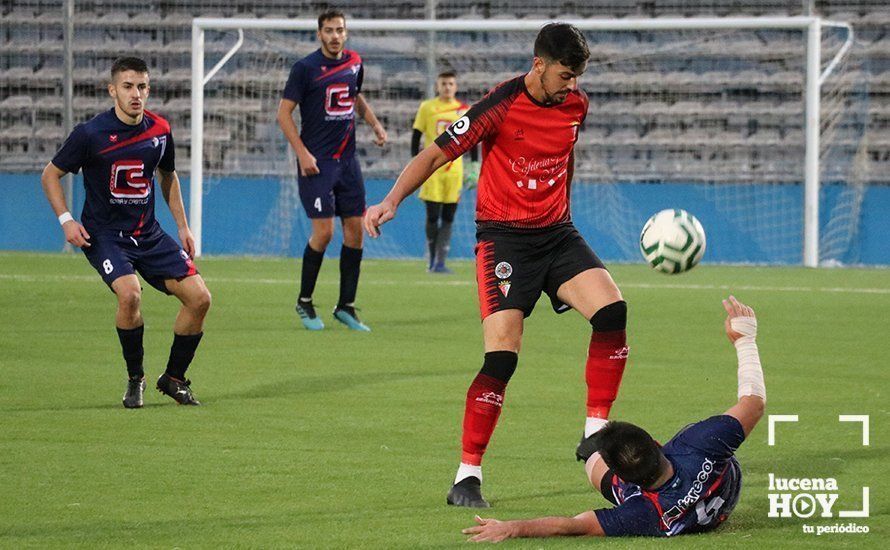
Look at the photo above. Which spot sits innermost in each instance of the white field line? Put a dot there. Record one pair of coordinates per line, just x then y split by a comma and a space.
424, 282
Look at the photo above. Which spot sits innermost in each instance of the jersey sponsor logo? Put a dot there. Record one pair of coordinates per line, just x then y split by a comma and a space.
503, 270
695, 492
338, 103
128, 180
548, 170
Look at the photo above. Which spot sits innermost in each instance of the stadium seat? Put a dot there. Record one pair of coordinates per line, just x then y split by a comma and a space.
17, 103
705, 95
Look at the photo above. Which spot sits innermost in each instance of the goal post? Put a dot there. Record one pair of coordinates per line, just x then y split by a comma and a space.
816, 72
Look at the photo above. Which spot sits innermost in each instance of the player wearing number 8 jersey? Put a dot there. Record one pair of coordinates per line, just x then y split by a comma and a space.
119, 151
527, 244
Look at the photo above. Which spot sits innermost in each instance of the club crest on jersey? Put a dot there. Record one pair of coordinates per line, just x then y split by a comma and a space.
504, 287
519, 135
503, 270
112, 138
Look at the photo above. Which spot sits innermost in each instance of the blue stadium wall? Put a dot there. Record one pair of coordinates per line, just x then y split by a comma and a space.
240, 218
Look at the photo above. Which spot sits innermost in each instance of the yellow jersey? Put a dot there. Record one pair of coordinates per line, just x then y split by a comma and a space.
433, 116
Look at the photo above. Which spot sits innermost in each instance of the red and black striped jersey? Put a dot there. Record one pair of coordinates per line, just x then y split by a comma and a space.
526, 146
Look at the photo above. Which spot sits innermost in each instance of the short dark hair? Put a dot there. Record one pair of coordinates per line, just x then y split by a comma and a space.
448, 73
332, 13
564, 43
630, 452
122, 64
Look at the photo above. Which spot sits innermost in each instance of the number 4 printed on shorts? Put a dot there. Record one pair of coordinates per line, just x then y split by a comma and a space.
317, 204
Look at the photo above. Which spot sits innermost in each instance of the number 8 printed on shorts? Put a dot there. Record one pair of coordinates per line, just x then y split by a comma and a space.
106, 265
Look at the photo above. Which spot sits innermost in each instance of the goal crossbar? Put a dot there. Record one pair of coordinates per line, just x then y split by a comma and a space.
814, 78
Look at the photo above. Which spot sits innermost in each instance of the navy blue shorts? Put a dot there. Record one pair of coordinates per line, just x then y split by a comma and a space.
337, 190
153, 254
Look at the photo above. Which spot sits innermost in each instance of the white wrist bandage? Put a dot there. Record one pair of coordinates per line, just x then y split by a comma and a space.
750, 371
65, 217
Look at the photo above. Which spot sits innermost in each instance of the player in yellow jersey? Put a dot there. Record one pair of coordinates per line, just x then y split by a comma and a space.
442, 190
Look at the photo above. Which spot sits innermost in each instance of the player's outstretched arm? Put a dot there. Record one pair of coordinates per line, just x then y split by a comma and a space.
173, 195
365, 111
51, 180
418, 170
741, 329
492, 530
306, 160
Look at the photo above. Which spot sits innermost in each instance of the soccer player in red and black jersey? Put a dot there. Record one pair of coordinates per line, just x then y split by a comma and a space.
527, 243
119, 151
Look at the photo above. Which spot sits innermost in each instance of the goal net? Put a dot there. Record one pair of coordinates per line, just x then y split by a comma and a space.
713, 120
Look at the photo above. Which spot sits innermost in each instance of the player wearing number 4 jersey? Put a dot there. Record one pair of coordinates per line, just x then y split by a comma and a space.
327, 86
689, 485
118, 151
527, 243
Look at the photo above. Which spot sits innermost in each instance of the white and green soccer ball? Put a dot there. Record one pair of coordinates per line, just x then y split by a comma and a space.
672, 241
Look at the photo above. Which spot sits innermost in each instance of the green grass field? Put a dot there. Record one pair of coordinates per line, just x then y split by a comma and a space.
345, 440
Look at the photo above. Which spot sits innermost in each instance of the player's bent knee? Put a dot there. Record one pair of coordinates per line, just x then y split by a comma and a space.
353, 240
321, 239
129, 302
129, 295
203, 301
197, 301
610, 317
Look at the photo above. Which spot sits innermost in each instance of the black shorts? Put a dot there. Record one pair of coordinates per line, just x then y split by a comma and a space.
154, 254
513, 267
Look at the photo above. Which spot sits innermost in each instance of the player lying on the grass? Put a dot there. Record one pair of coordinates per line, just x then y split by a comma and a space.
527, 243
118, 151
690, 485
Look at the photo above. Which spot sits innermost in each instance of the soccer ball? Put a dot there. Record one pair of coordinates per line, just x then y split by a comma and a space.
672, 241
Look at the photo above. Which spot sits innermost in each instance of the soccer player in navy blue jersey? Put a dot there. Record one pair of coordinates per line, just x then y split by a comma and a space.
327, 86
119, 151
689, 485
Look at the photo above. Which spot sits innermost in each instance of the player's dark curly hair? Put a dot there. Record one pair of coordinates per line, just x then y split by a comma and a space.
331, 13
564, 43
122, 64
630, 452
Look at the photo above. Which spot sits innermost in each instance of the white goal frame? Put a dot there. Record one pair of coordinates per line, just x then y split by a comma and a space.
815, 76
